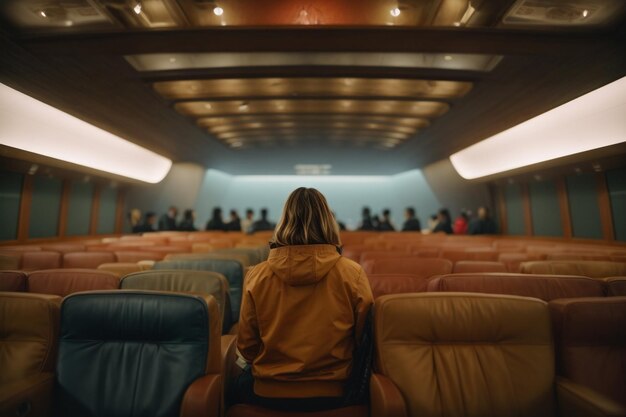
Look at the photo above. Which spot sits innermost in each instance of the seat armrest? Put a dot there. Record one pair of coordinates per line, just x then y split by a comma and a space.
28, 397
576, 400
385, 398
203, 397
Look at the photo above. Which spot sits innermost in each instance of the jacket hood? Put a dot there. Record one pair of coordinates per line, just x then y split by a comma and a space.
303, 264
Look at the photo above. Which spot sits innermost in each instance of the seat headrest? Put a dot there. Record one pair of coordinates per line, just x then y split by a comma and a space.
63, 282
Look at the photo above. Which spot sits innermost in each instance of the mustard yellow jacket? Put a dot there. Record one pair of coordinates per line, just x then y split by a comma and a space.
302, 312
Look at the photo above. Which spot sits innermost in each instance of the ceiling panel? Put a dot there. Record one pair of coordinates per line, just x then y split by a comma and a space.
277, 87
237, 120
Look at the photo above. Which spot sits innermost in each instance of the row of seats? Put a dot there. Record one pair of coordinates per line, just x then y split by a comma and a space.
463, 354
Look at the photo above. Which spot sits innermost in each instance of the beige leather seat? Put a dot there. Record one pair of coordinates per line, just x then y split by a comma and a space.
28, 345
592, 269
459, 354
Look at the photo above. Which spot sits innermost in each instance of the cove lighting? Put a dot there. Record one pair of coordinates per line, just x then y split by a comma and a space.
589, 122
33, 126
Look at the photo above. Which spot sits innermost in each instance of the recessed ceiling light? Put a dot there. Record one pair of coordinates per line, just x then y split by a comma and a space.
137, 8
236, 144
43, 14
172, 60
218, 11
448, 57
395, 12
585, 13
208, 106
243, 106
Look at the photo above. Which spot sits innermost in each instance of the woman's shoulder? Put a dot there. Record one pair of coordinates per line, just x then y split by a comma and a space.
347, 265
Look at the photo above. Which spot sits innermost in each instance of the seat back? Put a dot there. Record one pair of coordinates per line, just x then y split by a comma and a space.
64, 282
87, 259
125, 353
32, 261
64, 247
178, 280
421, 267
232, 270
544, 287
374, 255
590, 337
243, 259
136, 256
383, 284
465, 255
615, 286
467, 354
463, 267
28, 340
121, 268
513, 260
593, 269
12, 281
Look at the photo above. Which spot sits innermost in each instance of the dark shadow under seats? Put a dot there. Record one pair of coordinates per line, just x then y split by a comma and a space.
140, 353
544, 287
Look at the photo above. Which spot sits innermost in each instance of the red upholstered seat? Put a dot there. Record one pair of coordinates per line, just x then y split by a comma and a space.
87, 259
478, 266
242, 410
12, 281
383, 284
64, 282
544, 287
422, 267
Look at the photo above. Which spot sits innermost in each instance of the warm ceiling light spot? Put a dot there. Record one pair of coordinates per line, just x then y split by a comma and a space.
172, 60
457, 24
448, 57
218, 11
585, 13
236, 144
346, 103
208, 106
256, 124
594, 120
43, 13
36, 127
243, 106
395, 12
137, 8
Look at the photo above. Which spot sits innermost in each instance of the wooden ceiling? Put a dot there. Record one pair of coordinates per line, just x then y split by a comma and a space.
380, 94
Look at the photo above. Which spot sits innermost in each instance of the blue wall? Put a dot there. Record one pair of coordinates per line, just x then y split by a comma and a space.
346, 194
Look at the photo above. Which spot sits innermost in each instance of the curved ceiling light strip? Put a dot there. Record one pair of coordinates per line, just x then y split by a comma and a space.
30, 125
594, 120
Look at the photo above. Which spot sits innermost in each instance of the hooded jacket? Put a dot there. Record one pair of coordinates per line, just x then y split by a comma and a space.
302, 312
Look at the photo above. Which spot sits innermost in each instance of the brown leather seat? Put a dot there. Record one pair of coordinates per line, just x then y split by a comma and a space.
374, 255
64, 247
577, 256
32, 261
590, 335
243, 410
421, 267
28, 343
165, 249
383, 284
136, 256
467, 255
544, 287
64, 282
121, 268
616, 286
10, 260
513, 260
593, 269
468, 355
87, 259
462, 267
12, 281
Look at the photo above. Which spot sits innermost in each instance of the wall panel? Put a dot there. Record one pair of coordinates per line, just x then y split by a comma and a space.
10, 192
545, 209
616, 183
45, 207
79, 212
583, 206
514, 209
107, 211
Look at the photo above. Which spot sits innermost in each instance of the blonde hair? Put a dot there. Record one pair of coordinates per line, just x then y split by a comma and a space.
306, 220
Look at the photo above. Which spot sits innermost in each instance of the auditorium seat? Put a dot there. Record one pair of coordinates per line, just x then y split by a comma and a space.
243, 259
120, 268
466, 255
165, 249
244, 410
28, 346
20, 248
140, 353
426, 252
590, 336
64, 247
374, 255
64, 282
12, 281
577, 256
593, 269
136, 256
544, 287
202, 247
463, 355
383, 284
32, 261
513, 260
232, 270
461, 267
422, 267
10, 260
178, 280
87, 259
616, 286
